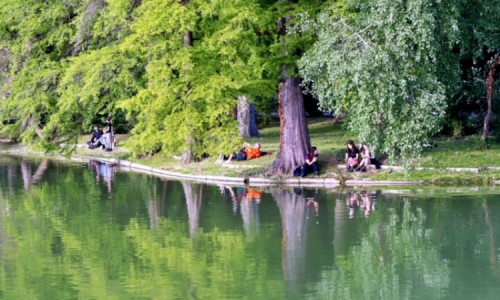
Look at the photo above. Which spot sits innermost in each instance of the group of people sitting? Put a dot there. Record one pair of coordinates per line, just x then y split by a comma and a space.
359, 159
102, 138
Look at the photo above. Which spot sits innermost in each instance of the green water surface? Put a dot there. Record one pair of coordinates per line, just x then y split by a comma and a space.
91, 231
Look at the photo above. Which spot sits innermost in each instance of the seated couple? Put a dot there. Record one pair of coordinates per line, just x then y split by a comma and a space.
102, 139
310, 164
359, 159
247, 152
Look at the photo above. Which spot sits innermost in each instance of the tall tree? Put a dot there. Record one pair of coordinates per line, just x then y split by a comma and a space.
190, 91
246, 118
294, 133
35, 36
381, 62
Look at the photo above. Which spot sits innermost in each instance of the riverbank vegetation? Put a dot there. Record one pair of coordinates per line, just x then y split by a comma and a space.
460, 161
188, 78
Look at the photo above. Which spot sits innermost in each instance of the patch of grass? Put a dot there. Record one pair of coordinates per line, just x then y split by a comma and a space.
330, 139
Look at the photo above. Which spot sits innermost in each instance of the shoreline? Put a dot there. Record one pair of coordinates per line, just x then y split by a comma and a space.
323, 182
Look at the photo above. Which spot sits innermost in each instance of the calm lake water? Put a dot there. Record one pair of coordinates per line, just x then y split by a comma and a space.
94, 232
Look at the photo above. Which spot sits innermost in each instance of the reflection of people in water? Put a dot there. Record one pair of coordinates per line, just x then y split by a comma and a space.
363, 201
104, 171
368, 204
253, 194
352, 203
312, 203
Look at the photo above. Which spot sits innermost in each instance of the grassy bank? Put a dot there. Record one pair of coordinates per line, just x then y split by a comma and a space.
330, 138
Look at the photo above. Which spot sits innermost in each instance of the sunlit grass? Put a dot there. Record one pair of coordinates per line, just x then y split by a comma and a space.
330, 139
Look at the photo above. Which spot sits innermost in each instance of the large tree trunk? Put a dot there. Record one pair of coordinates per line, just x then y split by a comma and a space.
490, 84
246, 118
294, 134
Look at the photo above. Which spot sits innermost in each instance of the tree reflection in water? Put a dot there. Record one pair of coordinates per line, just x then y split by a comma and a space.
194, 194
293, 207
392, 261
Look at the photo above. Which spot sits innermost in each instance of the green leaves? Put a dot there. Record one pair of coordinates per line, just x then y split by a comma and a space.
379, 65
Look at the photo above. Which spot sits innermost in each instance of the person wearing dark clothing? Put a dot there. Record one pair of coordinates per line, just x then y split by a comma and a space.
351, 156
311, 163
94, 139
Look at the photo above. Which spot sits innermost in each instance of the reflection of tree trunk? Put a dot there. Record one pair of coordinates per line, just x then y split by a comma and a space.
26, 173
194, 195
340, 214
250, 216
11, 175
493, 254
28, 178
40, 171
490, 85
246, 118
156, 204
293, 218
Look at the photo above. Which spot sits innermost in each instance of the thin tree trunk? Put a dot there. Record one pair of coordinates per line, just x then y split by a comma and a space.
294, 134
246, 118
490, 82
491, 233
188, 156
82, 35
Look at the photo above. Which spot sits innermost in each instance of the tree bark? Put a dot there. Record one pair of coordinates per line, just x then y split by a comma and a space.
490, 82
294, 134
188, 156
246, 118
83, 34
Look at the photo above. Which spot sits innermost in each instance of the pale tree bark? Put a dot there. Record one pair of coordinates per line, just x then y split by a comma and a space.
490, 85
5, 65
194, 196
246, 118
83, 34
491, 233
156, 203
188, 156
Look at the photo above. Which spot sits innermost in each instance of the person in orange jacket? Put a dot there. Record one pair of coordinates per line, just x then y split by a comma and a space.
253, 152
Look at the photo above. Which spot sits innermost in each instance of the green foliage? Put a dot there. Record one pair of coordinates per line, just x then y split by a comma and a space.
380, 63
191, 90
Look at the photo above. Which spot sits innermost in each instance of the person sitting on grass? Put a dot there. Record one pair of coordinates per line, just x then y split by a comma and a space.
94, 139
365, 157
351, 156
311, 163
106, 140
